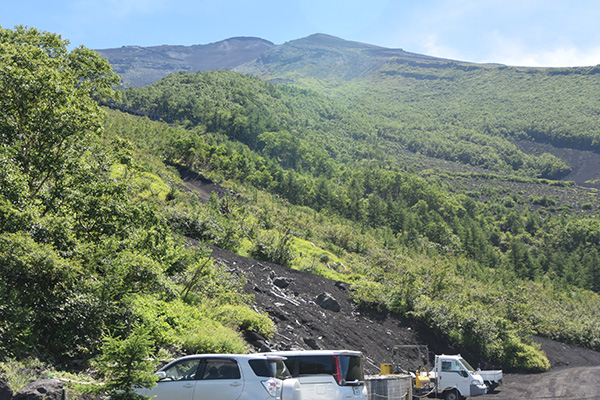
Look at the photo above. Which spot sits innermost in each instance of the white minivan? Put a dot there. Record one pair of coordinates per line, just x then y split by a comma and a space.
224, 377
327, 374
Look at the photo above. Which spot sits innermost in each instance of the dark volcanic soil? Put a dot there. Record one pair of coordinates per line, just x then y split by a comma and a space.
290, 298
302, 323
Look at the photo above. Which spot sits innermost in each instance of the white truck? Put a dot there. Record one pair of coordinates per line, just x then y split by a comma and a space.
451, 377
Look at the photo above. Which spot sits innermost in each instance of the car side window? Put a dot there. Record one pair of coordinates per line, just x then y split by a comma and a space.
451, 366
182, 371
221, 368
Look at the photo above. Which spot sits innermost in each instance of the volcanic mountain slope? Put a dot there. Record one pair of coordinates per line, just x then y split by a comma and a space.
318, 55
325, 57
140, 66
313, 312
305, 310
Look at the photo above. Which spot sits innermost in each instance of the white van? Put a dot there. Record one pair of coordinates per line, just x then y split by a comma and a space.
327, 374
223, 377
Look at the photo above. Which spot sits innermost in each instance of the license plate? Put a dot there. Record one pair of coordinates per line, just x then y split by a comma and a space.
357, 390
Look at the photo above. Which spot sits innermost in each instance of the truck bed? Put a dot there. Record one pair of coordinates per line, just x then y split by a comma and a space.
492, 376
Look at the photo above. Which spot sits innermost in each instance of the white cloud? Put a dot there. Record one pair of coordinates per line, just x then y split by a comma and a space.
549, 33
565, 54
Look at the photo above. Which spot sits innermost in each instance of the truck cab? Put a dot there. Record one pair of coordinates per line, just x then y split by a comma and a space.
456, 378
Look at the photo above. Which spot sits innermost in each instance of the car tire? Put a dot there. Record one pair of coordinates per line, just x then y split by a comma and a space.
452, 395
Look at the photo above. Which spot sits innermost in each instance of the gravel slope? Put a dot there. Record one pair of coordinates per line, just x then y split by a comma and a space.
302, 323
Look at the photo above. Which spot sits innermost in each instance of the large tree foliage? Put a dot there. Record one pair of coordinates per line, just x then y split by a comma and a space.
48, 109
84, 250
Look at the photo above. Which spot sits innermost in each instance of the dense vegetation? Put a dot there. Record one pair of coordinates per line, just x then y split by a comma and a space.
97, 242
470, 113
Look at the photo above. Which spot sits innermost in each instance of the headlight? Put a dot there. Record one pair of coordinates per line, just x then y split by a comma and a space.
476, 382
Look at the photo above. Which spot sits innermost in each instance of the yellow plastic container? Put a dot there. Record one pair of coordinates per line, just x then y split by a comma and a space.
386, 369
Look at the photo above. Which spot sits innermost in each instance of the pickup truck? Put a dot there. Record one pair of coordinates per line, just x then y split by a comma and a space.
452, 376
454, 379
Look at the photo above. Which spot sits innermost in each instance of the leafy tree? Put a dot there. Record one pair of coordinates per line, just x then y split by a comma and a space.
35, 283
521, 261
48, 109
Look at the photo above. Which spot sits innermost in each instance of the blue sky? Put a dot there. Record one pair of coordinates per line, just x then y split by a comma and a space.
515, 32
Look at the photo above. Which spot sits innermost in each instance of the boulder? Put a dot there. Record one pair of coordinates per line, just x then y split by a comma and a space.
281, 282
6, 392
42, 389
328, 302
312, 343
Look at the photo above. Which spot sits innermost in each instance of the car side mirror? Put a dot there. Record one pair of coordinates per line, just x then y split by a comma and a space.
464, 373
161, 375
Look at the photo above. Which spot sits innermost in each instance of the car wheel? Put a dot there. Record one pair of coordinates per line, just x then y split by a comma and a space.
451, 395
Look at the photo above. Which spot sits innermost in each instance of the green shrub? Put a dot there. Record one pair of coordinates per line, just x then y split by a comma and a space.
127, 365
369, 294
17, 374
192, 327
523, 356
268, 247
212, 337
246, 319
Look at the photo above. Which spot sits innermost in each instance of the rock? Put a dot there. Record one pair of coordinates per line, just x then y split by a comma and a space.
326, 301
42, 389
281, 282
6, 392
257, 289
312, 343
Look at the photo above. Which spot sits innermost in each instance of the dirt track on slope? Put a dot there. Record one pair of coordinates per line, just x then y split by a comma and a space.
562, 383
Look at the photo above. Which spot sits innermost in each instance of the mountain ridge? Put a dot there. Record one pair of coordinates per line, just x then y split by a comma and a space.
140, 66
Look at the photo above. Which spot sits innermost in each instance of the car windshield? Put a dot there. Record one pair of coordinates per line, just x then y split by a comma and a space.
467, 365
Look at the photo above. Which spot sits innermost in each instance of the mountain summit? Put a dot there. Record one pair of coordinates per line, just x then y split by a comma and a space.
325, 56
